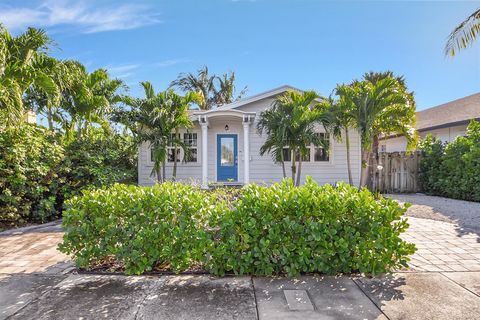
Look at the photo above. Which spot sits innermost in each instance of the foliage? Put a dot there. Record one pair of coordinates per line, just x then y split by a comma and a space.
22, 67
212, 89
154, 118
39, 169
141, 227
452, 170
290, 122
29, 173
97, 160
464, 34
261, 230
379, 105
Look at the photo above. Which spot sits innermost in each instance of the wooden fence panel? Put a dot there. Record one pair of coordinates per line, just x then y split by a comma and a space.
395, 172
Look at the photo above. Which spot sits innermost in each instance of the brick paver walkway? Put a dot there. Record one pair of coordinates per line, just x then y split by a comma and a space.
33, 250
440, 246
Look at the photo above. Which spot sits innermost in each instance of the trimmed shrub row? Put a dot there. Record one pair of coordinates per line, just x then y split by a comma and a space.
266, 230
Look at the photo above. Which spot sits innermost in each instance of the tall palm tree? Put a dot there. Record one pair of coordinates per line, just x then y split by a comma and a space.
21, 67
464, 34
213, 90
300, 113
271, 123
202, 83
338, 120
380, 108
226, 91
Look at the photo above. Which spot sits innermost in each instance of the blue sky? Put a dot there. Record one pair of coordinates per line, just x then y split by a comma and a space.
308, 44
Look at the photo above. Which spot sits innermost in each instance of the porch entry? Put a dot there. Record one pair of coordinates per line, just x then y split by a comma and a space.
227, 157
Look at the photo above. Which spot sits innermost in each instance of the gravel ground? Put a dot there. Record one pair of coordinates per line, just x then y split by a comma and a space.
464, 213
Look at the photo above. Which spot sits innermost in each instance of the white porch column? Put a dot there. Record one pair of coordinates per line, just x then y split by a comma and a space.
204, 126
246, 151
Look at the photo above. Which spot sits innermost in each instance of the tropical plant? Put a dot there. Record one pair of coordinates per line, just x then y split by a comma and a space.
278, 229
155, 120
380, 105
464, 34
291, 123
212, 89
22, 66
338, 120
226, 91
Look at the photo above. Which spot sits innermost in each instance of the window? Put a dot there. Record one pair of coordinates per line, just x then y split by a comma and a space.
171, 149
287, 155
322, 152
190, 140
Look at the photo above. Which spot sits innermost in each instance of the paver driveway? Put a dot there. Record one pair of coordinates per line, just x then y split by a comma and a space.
33, 250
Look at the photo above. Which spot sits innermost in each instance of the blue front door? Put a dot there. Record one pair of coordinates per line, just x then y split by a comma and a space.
227, 164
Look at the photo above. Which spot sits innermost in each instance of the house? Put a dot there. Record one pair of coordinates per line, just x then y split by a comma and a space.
225, 148
446, 122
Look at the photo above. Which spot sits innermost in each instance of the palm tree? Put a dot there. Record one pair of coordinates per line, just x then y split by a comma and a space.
380, 108
271, 123
300, 113
338, 120
21, 68
464, 34
213, 90
202, 83
154, 118
226, 91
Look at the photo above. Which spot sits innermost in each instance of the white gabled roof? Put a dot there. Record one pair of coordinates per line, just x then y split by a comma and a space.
257, 97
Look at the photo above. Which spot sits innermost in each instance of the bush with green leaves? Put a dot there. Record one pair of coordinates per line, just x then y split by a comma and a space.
96, 160
39, 169
452, 170
266, 230
30, 156
141, 227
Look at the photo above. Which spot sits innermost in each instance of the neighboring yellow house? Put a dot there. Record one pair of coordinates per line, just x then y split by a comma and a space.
446, 122
31, 117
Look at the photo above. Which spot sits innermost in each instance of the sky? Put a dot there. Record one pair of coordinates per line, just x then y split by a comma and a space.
267, 43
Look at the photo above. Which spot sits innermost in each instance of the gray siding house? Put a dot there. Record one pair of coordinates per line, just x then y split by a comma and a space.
225, 148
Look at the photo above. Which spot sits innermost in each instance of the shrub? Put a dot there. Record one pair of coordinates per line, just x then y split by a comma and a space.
287, 229
29, 177
140, 226
267, 230
452, 170
97, 160
39, 169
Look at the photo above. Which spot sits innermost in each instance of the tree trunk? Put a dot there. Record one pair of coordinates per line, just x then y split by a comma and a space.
159, 175
282, 160
50, 119
364, 170
373, 181
349, 165
299, 173
294, 168
174, 173
164, 175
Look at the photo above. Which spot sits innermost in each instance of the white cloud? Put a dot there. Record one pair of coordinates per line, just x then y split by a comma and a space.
171, 62
122, 71
85, 15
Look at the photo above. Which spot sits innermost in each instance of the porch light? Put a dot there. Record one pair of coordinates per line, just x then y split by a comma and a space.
226, 127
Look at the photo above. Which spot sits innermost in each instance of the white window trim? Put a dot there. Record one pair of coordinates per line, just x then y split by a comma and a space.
312, 153
181, 163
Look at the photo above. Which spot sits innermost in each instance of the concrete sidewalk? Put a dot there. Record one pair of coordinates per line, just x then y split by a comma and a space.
408, 295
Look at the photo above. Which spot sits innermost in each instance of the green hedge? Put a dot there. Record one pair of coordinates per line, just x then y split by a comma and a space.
267, 230
452, 170
39, 169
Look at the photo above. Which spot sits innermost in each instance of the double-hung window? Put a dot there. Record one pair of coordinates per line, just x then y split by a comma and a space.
190, 140
171, 149
321, 152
